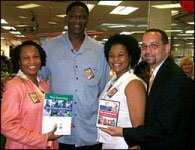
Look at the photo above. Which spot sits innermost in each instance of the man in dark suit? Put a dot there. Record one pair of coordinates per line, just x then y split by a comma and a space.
169, 100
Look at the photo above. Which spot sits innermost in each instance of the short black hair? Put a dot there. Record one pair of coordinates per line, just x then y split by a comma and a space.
16, 55
164, 36
77, 3
130, 43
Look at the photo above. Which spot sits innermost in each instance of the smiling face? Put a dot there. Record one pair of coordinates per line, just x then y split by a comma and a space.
154, 55
30, 61
76, 20
187, 68
119, 59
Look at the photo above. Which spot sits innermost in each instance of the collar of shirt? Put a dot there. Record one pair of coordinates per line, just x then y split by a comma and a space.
157, 68
84, 46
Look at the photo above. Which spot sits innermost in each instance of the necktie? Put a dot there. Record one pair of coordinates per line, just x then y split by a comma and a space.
151, 81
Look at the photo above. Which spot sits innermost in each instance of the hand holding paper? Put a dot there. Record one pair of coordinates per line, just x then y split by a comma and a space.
114, 131
52, 136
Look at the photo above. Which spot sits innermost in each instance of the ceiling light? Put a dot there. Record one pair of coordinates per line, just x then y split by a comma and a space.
172, 38
190, 22
142, 25
184, 34
23, 17
134, 32
8, 27
188, 38
109, 3
2, 38
189, 43
165, 6
174, 12
51, 22
63, 32
139, 31
15, 32
176, 44
3, 21
123, 10
127, 33
189, 31
27, 6
62, 15
115, 25
173, 31
21, 25
90, 6
173, 24
20, 36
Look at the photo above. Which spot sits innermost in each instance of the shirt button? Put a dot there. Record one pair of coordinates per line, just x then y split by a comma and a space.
75, 114
77, 78
76, 90
76, 66
75, 102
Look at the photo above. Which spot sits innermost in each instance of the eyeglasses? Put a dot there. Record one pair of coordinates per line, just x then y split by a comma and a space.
151, 46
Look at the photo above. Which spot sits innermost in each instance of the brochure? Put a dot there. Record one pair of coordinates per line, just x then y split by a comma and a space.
107, 113
57, 110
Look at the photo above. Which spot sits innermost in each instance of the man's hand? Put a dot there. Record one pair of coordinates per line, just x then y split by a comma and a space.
114, 131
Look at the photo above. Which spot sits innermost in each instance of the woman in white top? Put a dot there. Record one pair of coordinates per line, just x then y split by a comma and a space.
122, 53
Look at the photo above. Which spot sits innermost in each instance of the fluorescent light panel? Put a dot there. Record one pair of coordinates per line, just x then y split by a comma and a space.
126, 33
15, 32
20, 36
184, 34
3, 21
8, 27
174, 12
166, 6
188, 38
109, 3
190, 22
2, 38
90, 6
51, 22
189, 31
21, 25
62, 15
173, 31
27, 6
23, 17
123, 10
142, 25
115, 25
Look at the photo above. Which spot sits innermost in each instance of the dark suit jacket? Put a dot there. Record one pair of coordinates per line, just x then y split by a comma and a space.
168, 111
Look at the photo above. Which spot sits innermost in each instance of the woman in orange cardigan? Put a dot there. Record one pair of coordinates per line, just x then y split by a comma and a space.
22, 103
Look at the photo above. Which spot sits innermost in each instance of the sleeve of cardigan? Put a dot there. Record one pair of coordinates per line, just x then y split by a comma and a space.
10, 118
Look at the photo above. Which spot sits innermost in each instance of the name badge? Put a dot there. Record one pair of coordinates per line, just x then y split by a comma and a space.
112, 92
89, 73
34, 98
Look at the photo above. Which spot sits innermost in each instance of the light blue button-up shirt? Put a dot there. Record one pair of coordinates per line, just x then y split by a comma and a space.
65, 68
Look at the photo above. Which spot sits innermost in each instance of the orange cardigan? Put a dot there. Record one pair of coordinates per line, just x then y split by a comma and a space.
21, 119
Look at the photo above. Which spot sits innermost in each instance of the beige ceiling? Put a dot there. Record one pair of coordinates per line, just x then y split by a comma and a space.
100, 14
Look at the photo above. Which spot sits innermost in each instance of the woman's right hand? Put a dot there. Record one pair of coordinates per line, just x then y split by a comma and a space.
52, 136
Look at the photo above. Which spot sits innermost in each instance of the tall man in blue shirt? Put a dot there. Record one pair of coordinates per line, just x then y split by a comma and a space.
76, 65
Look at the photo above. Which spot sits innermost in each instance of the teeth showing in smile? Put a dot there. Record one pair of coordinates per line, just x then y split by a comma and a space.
116, 65
32, 67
